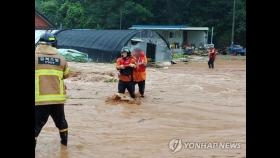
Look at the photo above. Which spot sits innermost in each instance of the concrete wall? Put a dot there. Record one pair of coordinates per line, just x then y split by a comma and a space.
163, 54
193, 37
177, 38
197, 37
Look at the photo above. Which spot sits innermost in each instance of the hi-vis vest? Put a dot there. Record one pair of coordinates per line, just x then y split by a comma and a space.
139, 73
50, 70
141, 68
121, 61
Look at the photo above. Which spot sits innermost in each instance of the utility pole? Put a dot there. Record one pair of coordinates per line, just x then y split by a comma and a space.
233, 23
120, 19
212, 35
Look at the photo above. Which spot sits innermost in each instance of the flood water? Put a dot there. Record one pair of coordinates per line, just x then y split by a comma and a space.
186, 101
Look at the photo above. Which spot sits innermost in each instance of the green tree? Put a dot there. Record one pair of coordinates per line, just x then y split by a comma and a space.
50, 9
72, 15
106, 14
133, 13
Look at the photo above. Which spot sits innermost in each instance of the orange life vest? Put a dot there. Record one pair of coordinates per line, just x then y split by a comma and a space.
126, 63
140, 71
140, 68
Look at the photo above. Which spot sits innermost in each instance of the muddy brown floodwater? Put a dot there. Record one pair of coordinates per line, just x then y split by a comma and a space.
186, 101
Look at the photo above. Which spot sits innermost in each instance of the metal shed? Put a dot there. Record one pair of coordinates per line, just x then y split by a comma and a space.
105, 45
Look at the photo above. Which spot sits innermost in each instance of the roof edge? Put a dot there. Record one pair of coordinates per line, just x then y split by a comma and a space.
167, 27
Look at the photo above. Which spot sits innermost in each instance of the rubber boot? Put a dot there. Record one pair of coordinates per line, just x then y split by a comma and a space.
63, 137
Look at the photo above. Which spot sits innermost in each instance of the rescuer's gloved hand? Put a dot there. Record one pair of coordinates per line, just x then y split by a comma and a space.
132, 65
142, 63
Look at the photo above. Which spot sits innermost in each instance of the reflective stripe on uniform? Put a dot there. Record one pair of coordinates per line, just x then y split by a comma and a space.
63, 130
49, 97
67, 71
49, 72
52, 39
37, 90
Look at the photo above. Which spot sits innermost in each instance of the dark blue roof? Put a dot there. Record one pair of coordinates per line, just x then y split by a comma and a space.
100, 45
109, 40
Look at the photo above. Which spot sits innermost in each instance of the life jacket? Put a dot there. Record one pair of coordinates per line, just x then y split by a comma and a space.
141, 59
212, 53
127, 71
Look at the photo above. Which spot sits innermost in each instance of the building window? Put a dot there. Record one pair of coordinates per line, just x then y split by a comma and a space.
171, 34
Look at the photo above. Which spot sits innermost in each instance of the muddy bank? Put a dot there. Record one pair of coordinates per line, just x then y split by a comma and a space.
185, 100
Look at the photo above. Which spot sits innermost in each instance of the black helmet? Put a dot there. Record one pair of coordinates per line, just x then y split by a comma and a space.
49, 39
126, 49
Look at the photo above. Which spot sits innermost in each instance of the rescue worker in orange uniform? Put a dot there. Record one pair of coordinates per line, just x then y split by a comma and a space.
139, 73
212, 56
50, 71
125, 65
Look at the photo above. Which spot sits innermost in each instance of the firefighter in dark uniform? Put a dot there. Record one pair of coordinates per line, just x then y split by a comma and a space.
125, 65
50, 71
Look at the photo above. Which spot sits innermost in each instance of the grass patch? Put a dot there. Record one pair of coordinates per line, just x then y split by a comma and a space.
179, 55
112, 80
230, 57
